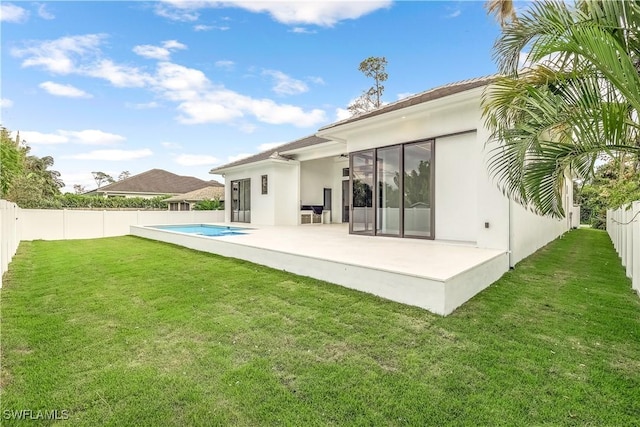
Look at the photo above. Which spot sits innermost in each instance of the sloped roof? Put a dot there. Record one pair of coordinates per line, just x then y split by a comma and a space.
157, 181
429, 95
274, 152
206, 193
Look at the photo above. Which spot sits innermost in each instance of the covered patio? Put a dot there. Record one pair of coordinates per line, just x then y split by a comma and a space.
436, 275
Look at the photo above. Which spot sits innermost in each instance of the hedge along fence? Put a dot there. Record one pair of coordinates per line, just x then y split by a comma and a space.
623, 226
78, 201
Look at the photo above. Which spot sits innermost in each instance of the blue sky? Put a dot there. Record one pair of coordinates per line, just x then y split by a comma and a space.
188, 85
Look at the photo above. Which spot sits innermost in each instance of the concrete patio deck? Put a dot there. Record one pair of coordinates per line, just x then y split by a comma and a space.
436, 275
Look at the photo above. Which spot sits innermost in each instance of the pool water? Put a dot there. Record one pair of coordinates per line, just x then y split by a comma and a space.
202, 229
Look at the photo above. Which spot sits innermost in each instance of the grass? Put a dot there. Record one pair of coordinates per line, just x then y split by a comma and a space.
125, 331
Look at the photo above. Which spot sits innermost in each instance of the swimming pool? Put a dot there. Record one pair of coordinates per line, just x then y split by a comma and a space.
202, 229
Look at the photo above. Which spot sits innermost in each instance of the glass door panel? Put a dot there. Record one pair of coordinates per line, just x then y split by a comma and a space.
241, 200
388, 186
418, 191
362, 213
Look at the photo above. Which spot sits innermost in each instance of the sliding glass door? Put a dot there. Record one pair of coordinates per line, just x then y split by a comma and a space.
392, 191
418, 190
241, 200
362, 168
388, 185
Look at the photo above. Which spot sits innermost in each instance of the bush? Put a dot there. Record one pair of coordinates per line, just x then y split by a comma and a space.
208, 205
79, 201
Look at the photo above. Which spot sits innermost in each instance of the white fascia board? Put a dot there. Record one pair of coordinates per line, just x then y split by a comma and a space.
253, 165
342, 132
318, 151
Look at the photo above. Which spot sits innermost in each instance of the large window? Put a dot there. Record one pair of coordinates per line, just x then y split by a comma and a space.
241, 200
392, 191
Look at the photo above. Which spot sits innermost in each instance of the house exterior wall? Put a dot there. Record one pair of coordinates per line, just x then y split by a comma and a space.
281, 204
284, 184
456, 195
459, 173
315, 175
530, 232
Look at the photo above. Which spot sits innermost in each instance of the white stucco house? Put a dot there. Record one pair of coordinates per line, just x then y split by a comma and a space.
413, 169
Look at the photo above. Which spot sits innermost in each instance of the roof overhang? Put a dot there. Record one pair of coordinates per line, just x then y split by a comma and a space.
341, 132
260, 163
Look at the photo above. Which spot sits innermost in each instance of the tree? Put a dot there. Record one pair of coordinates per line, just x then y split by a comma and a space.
615, 182
373, 67
102, 178
124, 175
502, 9
79, 189
25, 177
578, 98
11, 161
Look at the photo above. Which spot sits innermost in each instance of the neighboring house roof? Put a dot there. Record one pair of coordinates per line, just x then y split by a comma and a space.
429, 95
273, 153
157, 181
206, 193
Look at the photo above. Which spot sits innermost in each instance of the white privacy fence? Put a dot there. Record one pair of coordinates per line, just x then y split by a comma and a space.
623, 226
54, 224
63, 224
9, 234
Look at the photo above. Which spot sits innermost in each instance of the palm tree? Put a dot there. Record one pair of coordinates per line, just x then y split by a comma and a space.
578, 98
502, 9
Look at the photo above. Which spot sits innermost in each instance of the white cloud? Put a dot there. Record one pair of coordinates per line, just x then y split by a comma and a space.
82, 178
316, 80
44, 13
311, 12
87, 137
196, 160
238, 157
60, 55
173, 45
64, 90
39, 138
455, 14
161, 53
118, 75
152, 52
11, 13
286, 85
112, 155
268, 146
342, 114
199, 100
201, 27
302, 30
143, 106
6, 103
92, 137
226, 64
176, 13
223, 105
171, 145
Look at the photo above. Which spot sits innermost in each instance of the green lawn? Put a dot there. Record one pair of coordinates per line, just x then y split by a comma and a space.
125, 331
